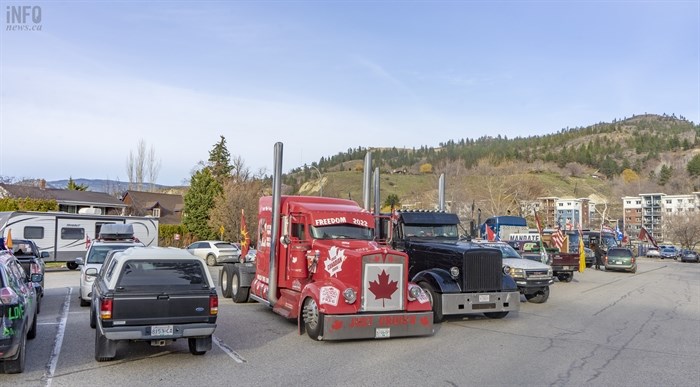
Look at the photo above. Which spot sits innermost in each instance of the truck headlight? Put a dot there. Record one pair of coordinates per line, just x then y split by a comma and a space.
454, 271
506, 269
517, 273
414, 291
549, 272
349, 295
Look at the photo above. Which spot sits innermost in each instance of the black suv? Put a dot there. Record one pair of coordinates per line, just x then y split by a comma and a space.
18, 312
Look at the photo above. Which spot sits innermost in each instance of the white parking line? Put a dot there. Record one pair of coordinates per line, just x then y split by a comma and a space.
58, 342
224, 347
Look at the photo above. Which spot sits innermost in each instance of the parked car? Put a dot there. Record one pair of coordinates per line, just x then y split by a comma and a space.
112, 237
689, 256
669, 252
215, 252
620, 258
19, 306
31, 259
653, 252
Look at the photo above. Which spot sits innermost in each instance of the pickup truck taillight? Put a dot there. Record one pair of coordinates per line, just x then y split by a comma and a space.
106, 308
213, 304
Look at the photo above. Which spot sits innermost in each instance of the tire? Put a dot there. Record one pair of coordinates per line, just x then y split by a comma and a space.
71, 265
565, 277
225, 281
238, 293
38, 304
32, 331
589, 265
211, 260
83, 302
105, 349
313, 319
17, 366
435, 301
539, 297
192, 344
93, 318
496, 315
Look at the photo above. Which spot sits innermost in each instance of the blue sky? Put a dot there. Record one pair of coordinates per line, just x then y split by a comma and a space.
322, 77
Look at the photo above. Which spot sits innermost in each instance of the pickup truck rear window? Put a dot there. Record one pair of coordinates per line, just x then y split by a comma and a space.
162, 273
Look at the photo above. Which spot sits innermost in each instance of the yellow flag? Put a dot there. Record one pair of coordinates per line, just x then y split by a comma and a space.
8, 242
581, 255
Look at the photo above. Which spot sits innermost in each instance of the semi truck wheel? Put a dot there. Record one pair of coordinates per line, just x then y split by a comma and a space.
435, 301
238, 293
313, 319
539, 297
225, 281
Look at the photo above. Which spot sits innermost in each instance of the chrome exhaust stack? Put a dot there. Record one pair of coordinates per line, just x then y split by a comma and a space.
276, 198
441, 192
367, 182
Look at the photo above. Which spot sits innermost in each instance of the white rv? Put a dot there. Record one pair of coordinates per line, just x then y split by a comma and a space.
66, 236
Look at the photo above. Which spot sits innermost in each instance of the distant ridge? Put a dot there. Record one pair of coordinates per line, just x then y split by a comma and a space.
104, 185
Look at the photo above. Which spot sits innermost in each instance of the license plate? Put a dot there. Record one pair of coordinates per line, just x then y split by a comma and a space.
382, 333
484, 298
567, 267
161, 330
618, 262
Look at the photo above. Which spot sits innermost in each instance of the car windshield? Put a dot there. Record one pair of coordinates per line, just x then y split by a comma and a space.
431, 231
99, 253
224, 245
342, 231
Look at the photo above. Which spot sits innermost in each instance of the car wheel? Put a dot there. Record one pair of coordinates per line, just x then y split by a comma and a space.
83, 302
203, 343
313, 319
565, 277
93, 318
17, 366
105, 349
539, 297
435, 301
225, 281
496, 315
32, 331
238, 293
211, 260
71, 265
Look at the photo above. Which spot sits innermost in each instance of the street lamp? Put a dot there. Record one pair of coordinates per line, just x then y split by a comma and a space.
320, 179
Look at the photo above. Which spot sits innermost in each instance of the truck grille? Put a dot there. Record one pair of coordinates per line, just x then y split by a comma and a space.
383, 282
537, 274
482, 270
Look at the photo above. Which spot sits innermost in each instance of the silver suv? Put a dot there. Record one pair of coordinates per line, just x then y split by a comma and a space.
215, 252
112, 237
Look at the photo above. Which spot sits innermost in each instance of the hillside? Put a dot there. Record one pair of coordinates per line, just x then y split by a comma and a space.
604, 162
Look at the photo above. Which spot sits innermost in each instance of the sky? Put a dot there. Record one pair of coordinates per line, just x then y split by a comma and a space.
81, 83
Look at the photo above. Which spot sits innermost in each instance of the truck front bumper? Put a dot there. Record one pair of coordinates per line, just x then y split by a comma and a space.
465, 303
143, 332
377, 326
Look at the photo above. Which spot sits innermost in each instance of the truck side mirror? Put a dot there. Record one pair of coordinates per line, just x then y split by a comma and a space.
79, 261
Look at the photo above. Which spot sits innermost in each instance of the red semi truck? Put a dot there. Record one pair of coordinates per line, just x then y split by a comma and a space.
317, 262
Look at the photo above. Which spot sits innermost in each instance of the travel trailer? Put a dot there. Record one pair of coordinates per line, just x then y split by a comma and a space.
66, 236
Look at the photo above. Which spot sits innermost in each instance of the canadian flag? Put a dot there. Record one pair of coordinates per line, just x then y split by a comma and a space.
87, 241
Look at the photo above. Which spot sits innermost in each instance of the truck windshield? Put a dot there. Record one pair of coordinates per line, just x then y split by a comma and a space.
506, 250
99, 253
431, 231
342, 231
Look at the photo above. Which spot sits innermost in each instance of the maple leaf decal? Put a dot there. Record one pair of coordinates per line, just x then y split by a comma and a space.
383, 288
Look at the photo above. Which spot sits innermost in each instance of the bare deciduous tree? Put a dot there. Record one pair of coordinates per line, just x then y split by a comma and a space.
153, 167
139, 165
237, 195
683, 227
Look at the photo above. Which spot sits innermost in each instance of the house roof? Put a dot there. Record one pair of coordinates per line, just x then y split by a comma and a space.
62, 196
170, 204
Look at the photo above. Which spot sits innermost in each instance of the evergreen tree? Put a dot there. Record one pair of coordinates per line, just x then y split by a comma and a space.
73, 186
199, 200
220, 161
392, 201
665, 174
693, 166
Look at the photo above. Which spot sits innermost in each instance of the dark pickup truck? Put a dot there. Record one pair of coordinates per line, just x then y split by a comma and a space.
153, 294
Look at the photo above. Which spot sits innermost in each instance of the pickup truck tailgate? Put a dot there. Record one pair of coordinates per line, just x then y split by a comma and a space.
154, 307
